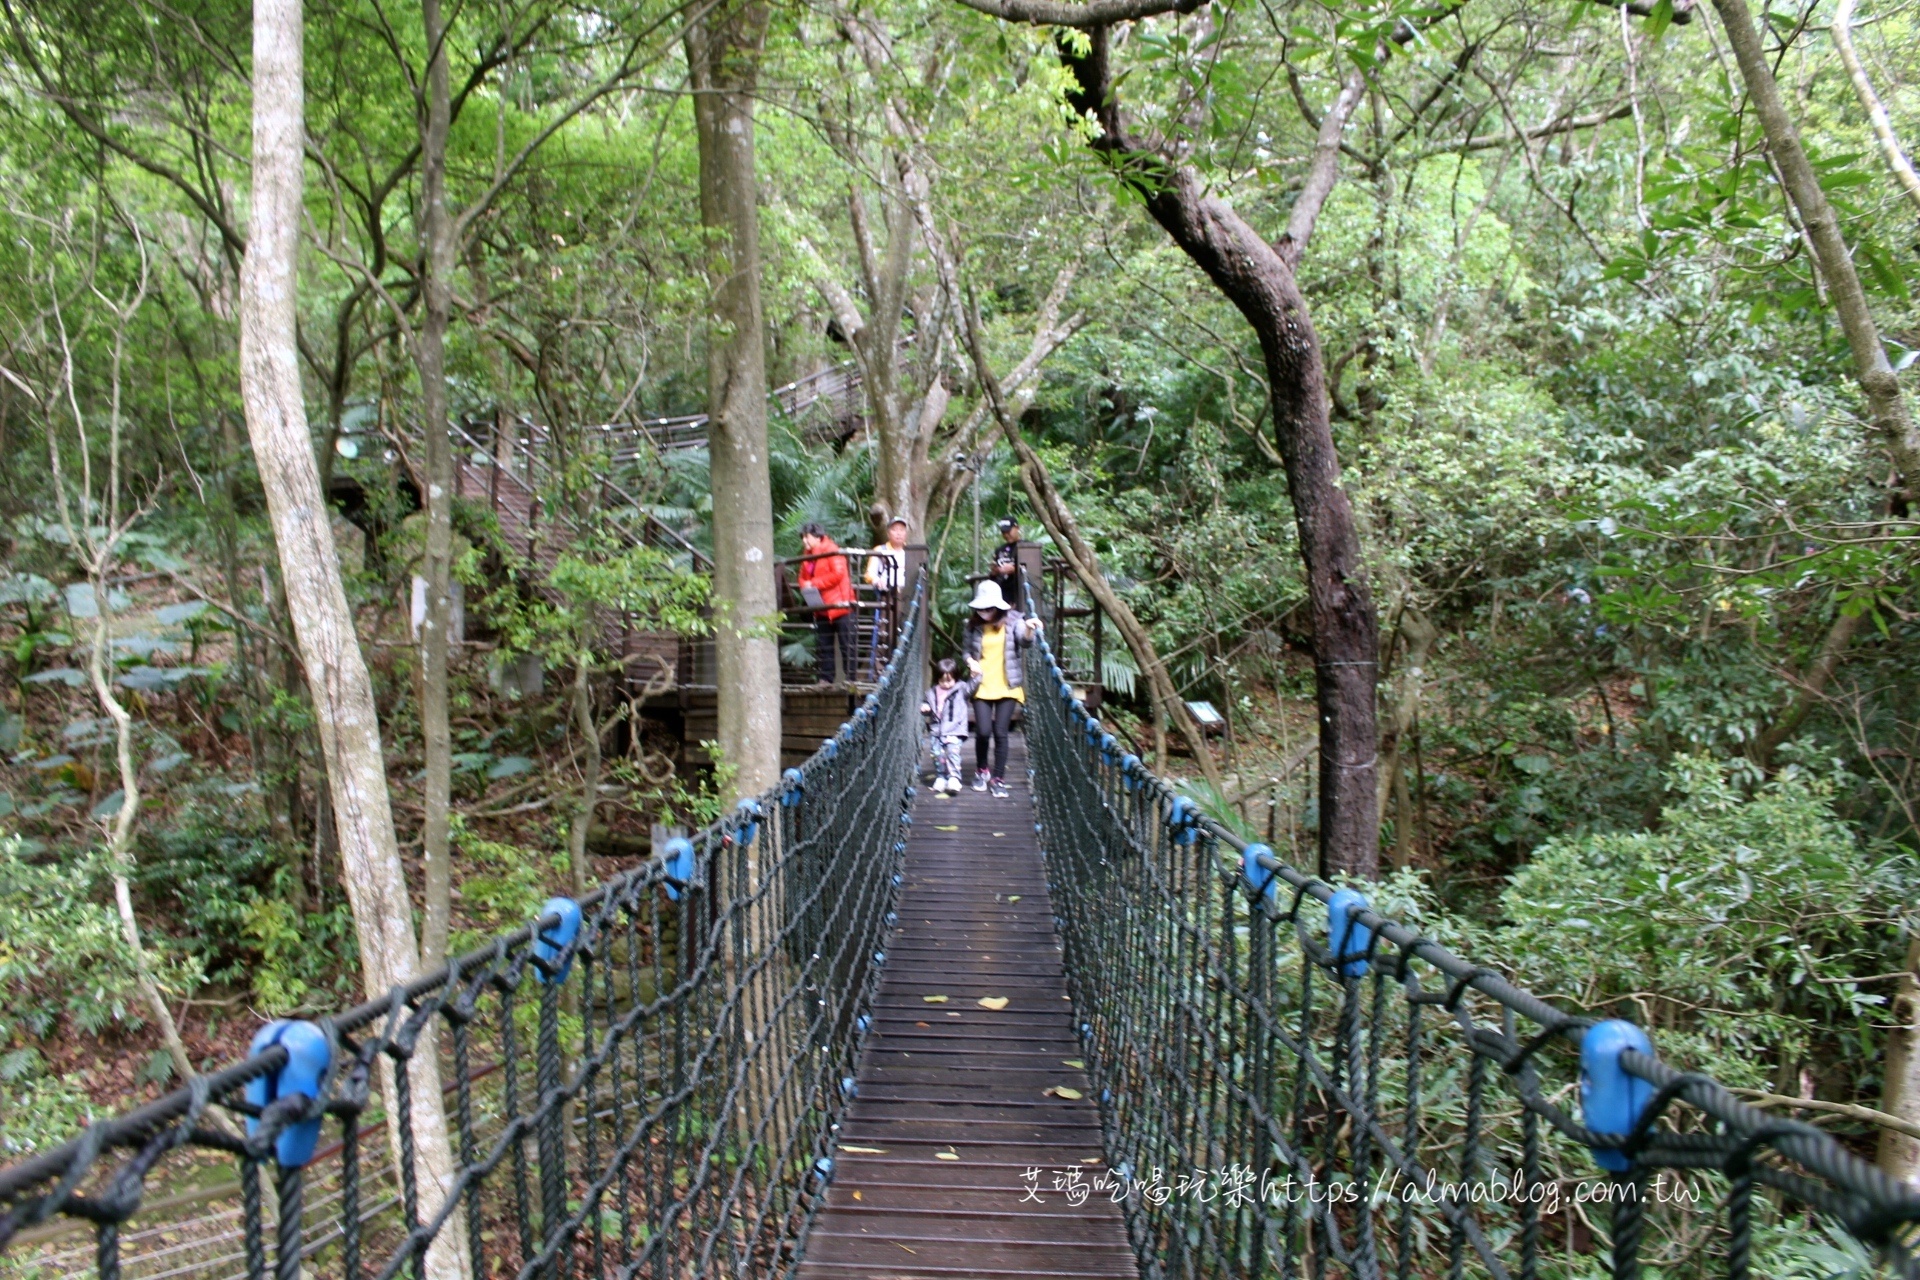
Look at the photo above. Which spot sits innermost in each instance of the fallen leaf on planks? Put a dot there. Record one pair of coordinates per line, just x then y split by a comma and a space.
1075, 1063
995, 1003
946, 1155
934, 999
858, 1196
864, 1151
937, 828
1061, 1091
1014, 898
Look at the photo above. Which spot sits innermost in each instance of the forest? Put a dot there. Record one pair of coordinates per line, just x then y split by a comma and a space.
1484, 431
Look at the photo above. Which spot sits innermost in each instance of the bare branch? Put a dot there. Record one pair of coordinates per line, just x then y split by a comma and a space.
1064, 13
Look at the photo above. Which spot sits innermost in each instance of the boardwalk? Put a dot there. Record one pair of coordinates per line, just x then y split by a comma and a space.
957, 1101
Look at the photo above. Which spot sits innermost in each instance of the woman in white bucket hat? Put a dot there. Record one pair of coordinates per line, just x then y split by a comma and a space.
996, 633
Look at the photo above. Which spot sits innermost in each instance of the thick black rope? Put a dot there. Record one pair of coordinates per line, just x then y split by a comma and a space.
1223, 1043
681, 1124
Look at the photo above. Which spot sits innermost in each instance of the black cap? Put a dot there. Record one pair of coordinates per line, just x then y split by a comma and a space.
1008, 522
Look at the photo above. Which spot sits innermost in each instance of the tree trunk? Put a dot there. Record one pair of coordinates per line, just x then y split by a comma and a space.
336, 671
589, 730
430, 351
1416, 636
723, 54
1258, 279
1842, 31
1886, 405
1899, 1154
120, 834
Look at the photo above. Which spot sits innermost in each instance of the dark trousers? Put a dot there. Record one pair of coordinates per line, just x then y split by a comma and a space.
829, 636
992, 717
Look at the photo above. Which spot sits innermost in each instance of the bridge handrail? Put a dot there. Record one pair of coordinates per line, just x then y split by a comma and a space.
1137, 824
829, 838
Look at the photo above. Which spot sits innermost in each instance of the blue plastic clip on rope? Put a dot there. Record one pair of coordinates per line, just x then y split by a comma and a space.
552, 942
1130, 769
1611, 1101
751, 811
308, 1055
1346, 936
1184, 820
1263, 883
793, 785
679, 856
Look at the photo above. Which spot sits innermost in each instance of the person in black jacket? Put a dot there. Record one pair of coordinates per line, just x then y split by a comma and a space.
1004, 568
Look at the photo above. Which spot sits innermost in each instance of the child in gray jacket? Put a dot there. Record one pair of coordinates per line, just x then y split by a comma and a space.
949, 711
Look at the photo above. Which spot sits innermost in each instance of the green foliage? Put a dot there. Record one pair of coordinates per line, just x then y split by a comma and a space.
64, 965
1738, 931
501, 885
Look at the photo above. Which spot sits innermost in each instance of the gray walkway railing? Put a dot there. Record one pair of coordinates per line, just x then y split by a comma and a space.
1293, 1084
642, 1084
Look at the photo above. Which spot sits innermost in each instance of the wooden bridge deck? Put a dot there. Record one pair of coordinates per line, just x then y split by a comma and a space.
948, 1161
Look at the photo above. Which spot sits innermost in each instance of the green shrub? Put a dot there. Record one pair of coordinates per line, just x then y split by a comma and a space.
1737, 933
62, 958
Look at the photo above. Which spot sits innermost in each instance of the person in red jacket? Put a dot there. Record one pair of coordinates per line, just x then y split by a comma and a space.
825, 573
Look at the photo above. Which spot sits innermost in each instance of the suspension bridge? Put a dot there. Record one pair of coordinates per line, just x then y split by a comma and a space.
853, 1029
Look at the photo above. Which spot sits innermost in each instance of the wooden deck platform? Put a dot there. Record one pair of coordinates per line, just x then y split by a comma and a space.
950, 1159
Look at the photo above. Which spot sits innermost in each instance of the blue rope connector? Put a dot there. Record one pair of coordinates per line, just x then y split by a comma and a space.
893, 917
830, 747
679, 864
1093, 730
1108, 745
880, 958
906, 819
1346, 936
849, 1087
308, 1055
863, 1023
1611, 1101
912, 791
1130, 771
792, 786
1263, 883
898, 879
1184, 820
823, 1168
750, 813
550, 943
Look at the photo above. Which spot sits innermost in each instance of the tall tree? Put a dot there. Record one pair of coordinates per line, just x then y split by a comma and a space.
724, 45
1258, 278
1886, 403
337, 675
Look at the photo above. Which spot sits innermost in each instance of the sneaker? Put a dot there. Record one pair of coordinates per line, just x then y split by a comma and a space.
947, 786
1000, 791
979, 781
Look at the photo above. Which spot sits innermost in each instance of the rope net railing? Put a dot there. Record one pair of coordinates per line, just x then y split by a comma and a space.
640, 1084
1294, 1085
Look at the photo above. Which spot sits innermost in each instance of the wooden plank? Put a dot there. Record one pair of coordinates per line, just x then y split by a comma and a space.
945, 1163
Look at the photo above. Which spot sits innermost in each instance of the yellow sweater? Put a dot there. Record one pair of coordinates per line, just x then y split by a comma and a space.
993, 668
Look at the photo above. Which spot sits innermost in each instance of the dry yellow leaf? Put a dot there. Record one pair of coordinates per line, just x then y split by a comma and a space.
996, 1003
945, 1155
858, 1196
1061, 1091
934, 999
864, 1151
938, 828
1075, 1063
